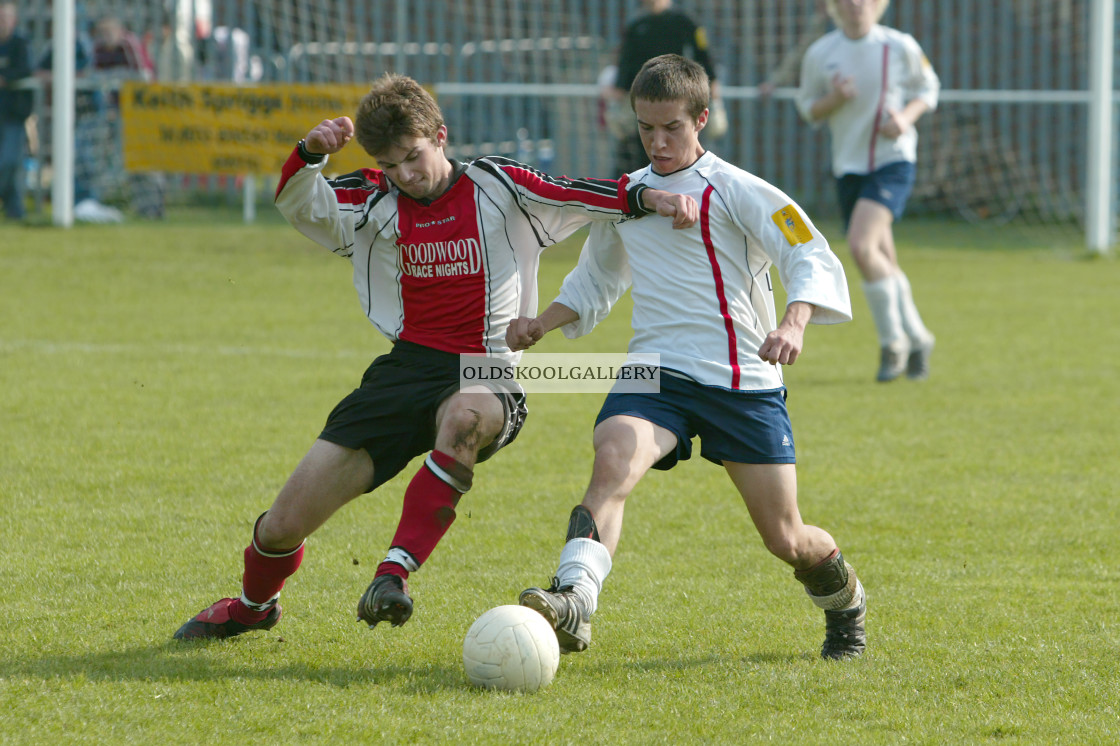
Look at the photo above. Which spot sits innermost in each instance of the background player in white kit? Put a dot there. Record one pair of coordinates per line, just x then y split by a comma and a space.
872, 83
444, 254
703, 302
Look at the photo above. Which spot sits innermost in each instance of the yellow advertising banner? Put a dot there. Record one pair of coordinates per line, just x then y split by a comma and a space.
231, 129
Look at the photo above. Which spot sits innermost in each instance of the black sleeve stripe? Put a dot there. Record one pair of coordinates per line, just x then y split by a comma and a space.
535, 223
490, 165
604, 187
368, 208
352, 180
591, 185
496, 173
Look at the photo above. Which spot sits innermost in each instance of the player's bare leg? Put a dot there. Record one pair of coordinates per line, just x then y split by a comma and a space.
625, 449
869, 240
326, 478
920, 338
872, 245
770, 494
466, 422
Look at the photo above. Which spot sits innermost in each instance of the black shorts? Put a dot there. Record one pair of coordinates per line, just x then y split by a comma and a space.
392, 415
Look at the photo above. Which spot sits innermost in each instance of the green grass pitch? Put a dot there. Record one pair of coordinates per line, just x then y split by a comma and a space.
158, 382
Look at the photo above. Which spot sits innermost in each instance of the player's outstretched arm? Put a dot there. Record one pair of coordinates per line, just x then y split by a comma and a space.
524, 332
307, 199
783, 345
680, 207
329, 136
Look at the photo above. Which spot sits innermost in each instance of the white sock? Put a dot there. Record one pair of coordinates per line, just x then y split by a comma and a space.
857, 596
882, 299
919, 335
584, 565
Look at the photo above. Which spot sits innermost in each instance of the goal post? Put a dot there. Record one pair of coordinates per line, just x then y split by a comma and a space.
62, 127
1099, 229
1025, 133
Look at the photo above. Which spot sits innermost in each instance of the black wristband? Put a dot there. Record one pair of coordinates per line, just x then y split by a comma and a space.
308, 157
634, 198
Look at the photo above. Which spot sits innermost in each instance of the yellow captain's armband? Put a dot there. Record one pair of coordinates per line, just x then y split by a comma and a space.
701, 38
789, 221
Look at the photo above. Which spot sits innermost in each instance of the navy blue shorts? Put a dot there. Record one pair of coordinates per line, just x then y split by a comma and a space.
890, 186
392, 415
745, 428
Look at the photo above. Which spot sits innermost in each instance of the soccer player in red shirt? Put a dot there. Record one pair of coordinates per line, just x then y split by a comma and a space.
444, 256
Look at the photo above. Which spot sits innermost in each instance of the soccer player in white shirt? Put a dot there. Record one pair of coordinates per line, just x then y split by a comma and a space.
444, 254
871, 83
704, 303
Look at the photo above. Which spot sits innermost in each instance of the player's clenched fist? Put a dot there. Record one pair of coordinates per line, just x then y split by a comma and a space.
329, 136
680, 207
780, 347
523, 333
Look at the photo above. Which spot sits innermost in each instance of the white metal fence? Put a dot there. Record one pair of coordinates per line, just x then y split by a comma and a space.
518, 77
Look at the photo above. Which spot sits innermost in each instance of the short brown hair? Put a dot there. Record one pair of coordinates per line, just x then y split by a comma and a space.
671, 77
834, 13
396, 107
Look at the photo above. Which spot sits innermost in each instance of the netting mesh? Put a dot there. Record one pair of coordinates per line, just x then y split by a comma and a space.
1006, 144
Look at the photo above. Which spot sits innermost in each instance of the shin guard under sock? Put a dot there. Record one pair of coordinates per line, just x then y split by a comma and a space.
831, 583
265, 572
429, 510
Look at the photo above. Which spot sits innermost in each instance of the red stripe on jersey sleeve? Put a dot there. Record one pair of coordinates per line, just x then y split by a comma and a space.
358, 195
622, 184
565, 189
293, 164
352, 196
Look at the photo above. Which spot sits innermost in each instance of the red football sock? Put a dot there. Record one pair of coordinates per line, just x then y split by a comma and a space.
265, 572
429, 510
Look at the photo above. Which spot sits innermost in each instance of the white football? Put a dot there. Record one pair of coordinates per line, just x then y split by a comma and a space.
512, 648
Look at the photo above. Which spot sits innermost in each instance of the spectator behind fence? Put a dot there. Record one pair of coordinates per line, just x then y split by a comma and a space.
15, 108
118, 52
659, 30
224, 53
89, 119
174, 58
118, 55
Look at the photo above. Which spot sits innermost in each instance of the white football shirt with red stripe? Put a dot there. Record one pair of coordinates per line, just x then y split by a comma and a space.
888, 70
703, 298
451, 273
